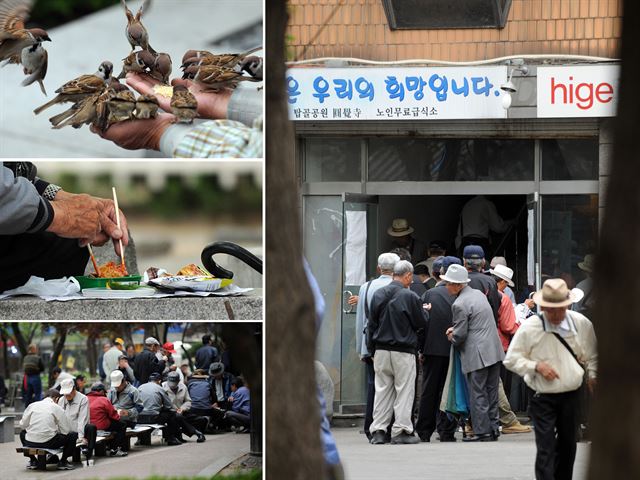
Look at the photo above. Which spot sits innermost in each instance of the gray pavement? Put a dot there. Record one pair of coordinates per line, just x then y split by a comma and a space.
512, 457
187, 460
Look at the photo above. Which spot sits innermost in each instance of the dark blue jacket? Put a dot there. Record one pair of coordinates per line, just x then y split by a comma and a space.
202, 396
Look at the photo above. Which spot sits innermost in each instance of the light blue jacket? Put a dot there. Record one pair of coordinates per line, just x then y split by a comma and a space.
361, 320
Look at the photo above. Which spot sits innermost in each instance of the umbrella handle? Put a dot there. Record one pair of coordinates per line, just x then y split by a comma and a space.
230, 249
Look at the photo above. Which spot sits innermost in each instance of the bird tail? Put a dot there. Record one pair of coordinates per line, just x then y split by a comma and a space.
34, 77
50, 103
57, 119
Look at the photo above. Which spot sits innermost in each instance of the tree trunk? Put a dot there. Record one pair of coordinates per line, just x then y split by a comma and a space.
247, 338
92, 355
58, 345
21, 342
616, 443
294, 449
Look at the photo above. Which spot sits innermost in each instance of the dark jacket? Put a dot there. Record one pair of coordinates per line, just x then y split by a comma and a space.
396, 317
32, 364
487, 285
417, 286
146, 364
440, 318
205, 356
201, 393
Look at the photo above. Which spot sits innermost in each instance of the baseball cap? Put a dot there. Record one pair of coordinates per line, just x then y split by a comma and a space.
169, 347
66, 386
437, 265
151, 341
473, 251
173, 378
116, 378
437, 245
154, 376
448, 260
98, 387
119, 341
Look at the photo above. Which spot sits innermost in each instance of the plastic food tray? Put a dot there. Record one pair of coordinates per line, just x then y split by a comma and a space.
92, 282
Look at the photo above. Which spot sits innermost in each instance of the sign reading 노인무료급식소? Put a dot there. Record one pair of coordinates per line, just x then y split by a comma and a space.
401, 93
578, 91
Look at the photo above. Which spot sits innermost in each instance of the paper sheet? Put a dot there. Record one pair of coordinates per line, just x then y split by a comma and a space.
356, 248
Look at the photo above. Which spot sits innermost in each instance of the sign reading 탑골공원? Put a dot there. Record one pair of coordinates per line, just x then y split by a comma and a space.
445, 93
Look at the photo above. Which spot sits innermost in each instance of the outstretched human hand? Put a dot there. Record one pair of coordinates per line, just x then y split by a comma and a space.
211, 105
137, 134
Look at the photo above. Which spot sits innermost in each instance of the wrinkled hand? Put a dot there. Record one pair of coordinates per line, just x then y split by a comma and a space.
530, 303
210, 105
137, 134
76, 216
544, 369
352, 300
110, 230
449, 333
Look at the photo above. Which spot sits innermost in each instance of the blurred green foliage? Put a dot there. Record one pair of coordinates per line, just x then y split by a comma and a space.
51, 13
180, 197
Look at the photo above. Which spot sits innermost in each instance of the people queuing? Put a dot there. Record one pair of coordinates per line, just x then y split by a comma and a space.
470, 314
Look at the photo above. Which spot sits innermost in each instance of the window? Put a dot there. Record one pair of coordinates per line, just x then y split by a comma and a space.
332, 160
403, 159
433, 14
569, 159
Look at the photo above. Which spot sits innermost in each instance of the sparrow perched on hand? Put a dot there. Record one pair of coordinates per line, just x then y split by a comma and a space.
20, 45
81, 113
184, 104
253, 66
121, 106
137, 62
161, 67
113, 87
203, 57
214, 78
146, 107
81, 87
137, 35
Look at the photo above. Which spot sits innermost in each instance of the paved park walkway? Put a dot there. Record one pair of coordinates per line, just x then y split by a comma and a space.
188, 460
512, 457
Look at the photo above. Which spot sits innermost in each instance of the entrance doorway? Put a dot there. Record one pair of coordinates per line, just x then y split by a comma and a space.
436, 217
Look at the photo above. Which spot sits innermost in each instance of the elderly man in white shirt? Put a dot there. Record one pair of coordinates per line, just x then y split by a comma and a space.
552, 353
76, 409
45, 425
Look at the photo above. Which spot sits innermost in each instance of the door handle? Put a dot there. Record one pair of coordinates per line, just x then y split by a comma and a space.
346, 308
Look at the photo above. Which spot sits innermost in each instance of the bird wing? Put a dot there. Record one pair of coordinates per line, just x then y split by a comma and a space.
126, 10
83, 84
184, 100
143, 9
13, 15
218, 75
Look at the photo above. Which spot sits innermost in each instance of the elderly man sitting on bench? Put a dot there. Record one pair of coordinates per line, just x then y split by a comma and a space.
125, 398
105, 417
76, 408
45, 425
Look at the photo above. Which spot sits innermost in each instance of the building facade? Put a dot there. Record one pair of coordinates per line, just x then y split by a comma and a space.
410, 114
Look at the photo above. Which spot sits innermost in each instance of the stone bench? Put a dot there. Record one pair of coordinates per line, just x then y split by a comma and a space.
247, 307
6, 429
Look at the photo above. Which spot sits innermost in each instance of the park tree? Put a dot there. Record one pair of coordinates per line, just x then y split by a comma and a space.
616, 444
294, 450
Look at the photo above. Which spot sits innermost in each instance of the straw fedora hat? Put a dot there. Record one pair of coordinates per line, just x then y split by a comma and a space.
399, 228
503, 272
456, 274
554, 293
587, 264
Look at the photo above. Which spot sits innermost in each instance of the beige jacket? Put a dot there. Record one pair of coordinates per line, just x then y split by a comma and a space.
532, 344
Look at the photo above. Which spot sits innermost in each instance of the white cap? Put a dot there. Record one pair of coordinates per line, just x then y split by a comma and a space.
116, 378
151, 341
66, 386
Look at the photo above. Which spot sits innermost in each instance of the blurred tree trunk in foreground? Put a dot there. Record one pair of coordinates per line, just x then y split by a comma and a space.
293, 426
616, 410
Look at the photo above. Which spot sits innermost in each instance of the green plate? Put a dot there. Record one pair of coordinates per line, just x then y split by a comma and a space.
91, 282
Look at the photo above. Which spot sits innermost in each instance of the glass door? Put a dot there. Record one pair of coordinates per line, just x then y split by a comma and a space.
360, 247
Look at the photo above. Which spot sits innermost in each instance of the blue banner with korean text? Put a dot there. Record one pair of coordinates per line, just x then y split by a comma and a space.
399, 93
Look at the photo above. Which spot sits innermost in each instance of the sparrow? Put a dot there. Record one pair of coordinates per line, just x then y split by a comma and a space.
161, 67
214, 78
22, 46
81, 87
121, 106
102, 104
137, 62
137, 35
81, 113
34, 61
146, 107
253, 66
203, 57
184, 104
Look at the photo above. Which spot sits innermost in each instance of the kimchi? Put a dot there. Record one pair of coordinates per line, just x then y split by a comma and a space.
113, 270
